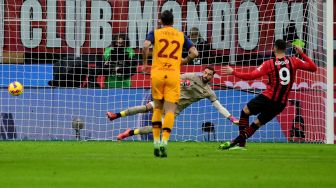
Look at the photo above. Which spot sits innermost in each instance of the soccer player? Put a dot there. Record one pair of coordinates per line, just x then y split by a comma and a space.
194, 87
168, 43
281, 73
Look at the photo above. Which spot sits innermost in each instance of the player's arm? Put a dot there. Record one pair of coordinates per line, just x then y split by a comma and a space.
307, 63
262, 70
192, 51
145, 50
185, 76
221, 109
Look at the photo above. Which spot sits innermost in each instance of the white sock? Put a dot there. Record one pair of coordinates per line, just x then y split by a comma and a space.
164, 142
156, 144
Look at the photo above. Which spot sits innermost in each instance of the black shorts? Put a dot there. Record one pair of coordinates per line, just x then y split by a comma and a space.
265, 108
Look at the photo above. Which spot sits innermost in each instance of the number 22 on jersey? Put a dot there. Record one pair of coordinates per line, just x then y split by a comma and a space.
163, 54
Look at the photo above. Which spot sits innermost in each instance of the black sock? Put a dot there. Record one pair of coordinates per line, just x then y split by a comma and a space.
118, 115
242, 142
131, 133
247, 133
237, 140
244, 119
243, 124
251, 130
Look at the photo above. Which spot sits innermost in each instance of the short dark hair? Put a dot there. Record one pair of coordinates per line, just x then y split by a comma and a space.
211, 68
167, 17
280, 45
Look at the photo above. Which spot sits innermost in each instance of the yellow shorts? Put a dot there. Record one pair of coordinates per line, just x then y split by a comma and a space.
165, 86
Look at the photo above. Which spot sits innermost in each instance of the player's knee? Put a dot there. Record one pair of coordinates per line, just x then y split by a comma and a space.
246, 110
258, 122
243, 114
169, 107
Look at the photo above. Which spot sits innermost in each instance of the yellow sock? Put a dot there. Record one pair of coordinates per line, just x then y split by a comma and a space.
156, 136
157, 124
123, 113
136, 131
167, 126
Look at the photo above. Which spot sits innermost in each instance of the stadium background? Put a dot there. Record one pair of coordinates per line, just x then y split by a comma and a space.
51, 44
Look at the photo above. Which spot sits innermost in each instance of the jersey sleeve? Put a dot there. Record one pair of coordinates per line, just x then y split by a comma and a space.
212, 96
262, 70
305, 64
186, 76
150, 37
187, 43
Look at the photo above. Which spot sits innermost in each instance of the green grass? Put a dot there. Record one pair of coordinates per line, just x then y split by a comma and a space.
189, 165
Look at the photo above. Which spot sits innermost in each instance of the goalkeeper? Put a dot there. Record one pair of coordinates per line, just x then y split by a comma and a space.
194, 87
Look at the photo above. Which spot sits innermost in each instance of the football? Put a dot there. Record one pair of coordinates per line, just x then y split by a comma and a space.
15, 88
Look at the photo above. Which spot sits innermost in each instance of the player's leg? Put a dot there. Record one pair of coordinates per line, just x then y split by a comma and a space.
171, 95
157, 83
168, 121
131, 111
270, 111
247, 133
157, 125
243, 135
137, 131
167, 126
243, 123
253, 107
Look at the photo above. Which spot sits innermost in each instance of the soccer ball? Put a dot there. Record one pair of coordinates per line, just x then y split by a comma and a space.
15, 88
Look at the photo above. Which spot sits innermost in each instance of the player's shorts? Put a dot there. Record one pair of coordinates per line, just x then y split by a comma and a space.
265, 108
165, 86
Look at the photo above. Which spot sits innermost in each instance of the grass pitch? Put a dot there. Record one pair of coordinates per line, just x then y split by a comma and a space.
189, 165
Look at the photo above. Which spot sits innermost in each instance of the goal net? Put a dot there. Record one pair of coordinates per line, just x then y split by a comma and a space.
79, 59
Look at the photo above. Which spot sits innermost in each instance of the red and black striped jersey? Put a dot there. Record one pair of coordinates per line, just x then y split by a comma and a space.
281, 75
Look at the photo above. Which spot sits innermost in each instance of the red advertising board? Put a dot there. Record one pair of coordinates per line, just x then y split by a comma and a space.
48, 25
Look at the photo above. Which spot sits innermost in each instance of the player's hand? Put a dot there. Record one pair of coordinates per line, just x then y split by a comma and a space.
227, 70
145, 69
184, 61
298, 49
106, 63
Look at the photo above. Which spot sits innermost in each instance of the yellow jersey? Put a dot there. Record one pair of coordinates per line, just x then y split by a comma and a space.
167, 52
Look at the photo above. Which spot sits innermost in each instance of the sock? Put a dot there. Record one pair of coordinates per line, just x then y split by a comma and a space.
157, 124
133, 132
167, 126
247, 133
251, 130
122, 114
136, 131
243, 124
156, 133
241, 131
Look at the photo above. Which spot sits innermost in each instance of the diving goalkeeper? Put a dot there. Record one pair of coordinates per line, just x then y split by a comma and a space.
194, 87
